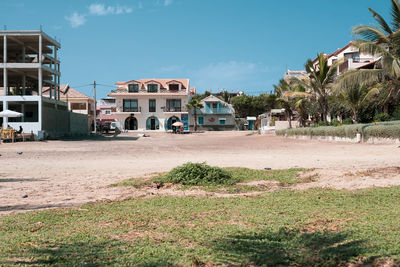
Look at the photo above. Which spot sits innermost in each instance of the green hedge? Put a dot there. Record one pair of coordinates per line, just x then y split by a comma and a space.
389, 129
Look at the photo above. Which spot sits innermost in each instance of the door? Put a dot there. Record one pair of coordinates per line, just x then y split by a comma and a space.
152, 124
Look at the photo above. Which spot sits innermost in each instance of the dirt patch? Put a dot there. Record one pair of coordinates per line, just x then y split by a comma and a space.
320, 225
354, 180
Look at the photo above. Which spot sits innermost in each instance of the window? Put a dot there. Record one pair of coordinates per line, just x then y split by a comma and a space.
107, 112
356, 57
174, 87
152, 105
200, 120
215, 105
133, 88
130, 105
78, 106
152, 88
173, 105
222, 121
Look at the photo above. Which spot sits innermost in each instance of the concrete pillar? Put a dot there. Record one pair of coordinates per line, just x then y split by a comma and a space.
23, 85
40, 74
23, 111
5, 82
23, 54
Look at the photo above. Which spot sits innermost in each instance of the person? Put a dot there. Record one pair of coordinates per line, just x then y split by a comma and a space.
20, 130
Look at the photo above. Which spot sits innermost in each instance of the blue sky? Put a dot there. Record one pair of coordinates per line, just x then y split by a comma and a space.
232, 44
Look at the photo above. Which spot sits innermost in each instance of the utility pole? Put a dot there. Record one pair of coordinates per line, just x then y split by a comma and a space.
95, 108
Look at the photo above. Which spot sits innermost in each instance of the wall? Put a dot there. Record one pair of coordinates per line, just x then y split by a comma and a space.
208, 125
78, 123
57, 122
280, 125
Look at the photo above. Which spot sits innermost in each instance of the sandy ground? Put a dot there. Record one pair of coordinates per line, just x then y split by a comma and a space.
66, 173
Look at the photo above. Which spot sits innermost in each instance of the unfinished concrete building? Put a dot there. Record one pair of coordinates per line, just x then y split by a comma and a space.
28, 63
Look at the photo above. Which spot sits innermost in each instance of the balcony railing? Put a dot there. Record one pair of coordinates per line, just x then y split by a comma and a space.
208, 110
174, 109
131, 109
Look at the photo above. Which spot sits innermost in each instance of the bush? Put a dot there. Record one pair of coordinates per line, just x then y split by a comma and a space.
390, 129
382, 117
347, 121
199, 174
396, 114
335, 122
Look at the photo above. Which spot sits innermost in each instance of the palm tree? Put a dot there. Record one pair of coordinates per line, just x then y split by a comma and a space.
291, 96
380, 40
195, 105
355, 97
321, 77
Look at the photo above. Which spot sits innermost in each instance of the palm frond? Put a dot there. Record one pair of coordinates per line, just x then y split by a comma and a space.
370, 33
371, 48
356, 78
382, 23
395, 12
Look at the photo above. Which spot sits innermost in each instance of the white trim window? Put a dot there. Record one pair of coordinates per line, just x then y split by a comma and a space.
222, 121
152, 88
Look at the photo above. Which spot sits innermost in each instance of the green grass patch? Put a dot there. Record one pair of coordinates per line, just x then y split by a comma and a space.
296, 228
236, 175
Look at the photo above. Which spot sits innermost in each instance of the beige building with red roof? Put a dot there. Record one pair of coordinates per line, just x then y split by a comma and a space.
152, 104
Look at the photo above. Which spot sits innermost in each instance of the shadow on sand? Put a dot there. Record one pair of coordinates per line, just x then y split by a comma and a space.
290, 248
15, 180
109, 137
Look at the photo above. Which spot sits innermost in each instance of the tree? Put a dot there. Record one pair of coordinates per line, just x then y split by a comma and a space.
292, 96
194, 105
321, 77
382, 40
355, 97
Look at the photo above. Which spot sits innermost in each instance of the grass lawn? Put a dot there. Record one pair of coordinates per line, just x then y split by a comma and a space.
313, 227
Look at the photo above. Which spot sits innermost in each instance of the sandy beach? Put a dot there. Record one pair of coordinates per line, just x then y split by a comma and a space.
72, 172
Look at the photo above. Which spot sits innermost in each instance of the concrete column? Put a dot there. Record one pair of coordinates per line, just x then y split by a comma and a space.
40, 74
23, 111
23, 85
5, 82
23, 54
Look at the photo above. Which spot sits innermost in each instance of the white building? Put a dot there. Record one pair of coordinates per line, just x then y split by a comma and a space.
28, 63
151, 104
352, 58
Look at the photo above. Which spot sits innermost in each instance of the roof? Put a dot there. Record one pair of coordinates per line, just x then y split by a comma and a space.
163, 82
212, 98
192, 90
369, 63
71, 92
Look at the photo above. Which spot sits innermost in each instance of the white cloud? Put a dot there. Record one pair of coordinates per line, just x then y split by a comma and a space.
76, 19
101, 10
167, 2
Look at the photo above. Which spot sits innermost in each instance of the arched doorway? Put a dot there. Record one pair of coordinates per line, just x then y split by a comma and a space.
152, 123
131, 123
171, 121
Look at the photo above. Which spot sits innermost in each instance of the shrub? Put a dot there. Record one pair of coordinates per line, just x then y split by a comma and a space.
272, 122
396, 114
389, 129
199, 174
347, 121
383, 131
335, 122
382, 117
